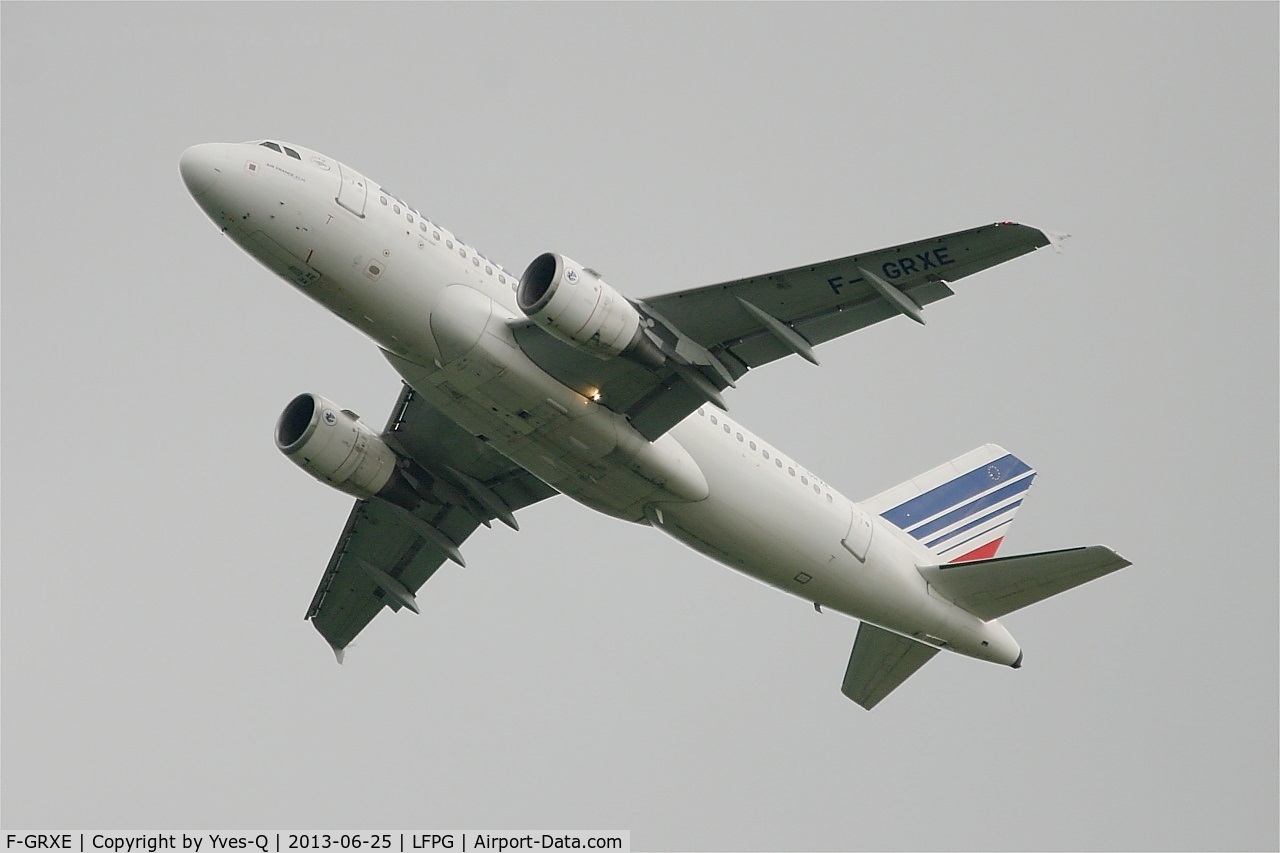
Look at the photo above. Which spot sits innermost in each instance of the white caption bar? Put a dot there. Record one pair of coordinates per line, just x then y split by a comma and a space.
399, 841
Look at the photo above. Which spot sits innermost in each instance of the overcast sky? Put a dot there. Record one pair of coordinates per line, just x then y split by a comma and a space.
159, 553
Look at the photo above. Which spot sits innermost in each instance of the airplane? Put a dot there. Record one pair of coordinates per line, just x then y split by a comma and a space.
520, 387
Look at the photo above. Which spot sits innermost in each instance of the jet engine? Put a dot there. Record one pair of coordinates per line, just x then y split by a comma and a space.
572, 303
332, 445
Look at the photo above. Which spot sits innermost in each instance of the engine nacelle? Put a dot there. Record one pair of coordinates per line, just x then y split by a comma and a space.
575, 305
332, 445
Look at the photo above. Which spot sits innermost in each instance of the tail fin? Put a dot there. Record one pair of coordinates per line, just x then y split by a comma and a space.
960, 510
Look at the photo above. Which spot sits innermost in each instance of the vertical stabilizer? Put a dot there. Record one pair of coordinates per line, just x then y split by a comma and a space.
960, 510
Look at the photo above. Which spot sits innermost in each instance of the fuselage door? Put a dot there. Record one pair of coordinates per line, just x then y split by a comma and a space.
858, 540
353, 192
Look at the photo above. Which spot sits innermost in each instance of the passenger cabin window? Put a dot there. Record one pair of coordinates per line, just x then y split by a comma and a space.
272, 146
292, 153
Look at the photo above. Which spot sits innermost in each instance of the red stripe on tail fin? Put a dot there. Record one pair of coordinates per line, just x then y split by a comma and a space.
985, 552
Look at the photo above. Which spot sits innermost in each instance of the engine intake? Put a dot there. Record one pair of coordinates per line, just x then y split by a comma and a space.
332, 445
572, 303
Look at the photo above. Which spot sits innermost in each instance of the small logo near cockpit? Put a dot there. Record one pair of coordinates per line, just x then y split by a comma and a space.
320, 162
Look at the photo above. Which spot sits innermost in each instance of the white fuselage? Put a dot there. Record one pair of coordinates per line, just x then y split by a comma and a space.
442, 315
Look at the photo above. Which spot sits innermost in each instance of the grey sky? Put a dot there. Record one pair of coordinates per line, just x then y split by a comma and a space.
159, 553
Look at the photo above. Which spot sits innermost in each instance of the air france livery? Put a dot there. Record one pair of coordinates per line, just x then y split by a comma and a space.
520, 387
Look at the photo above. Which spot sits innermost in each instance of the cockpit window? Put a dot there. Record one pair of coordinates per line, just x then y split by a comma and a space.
294, 154
272, 146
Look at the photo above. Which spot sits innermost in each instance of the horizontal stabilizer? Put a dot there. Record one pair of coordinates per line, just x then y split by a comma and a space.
991, 588
881, 660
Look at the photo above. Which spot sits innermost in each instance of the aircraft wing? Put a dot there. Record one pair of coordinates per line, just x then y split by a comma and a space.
881, 660
724, 330
387, 552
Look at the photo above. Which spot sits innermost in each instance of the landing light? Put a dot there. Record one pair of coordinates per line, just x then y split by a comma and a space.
594, 394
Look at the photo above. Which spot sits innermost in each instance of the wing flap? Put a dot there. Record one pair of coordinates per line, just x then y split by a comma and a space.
348, 597
991, 588
881, 660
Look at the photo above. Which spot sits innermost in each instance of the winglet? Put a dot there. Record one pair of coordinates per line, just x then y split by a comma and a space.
1056, 239
338, 652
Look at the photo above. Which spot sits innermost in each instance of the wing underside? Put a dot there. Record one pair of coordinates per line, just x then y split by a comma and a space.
724, 330
387, 552
881, 660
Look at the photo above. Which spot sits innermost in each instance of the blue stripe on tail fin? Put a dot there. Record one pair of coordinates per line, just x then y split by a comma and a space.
960, 510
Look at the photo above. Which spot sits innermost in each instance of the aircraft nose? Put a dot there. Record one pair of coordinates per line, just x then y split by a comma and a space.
201, 166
